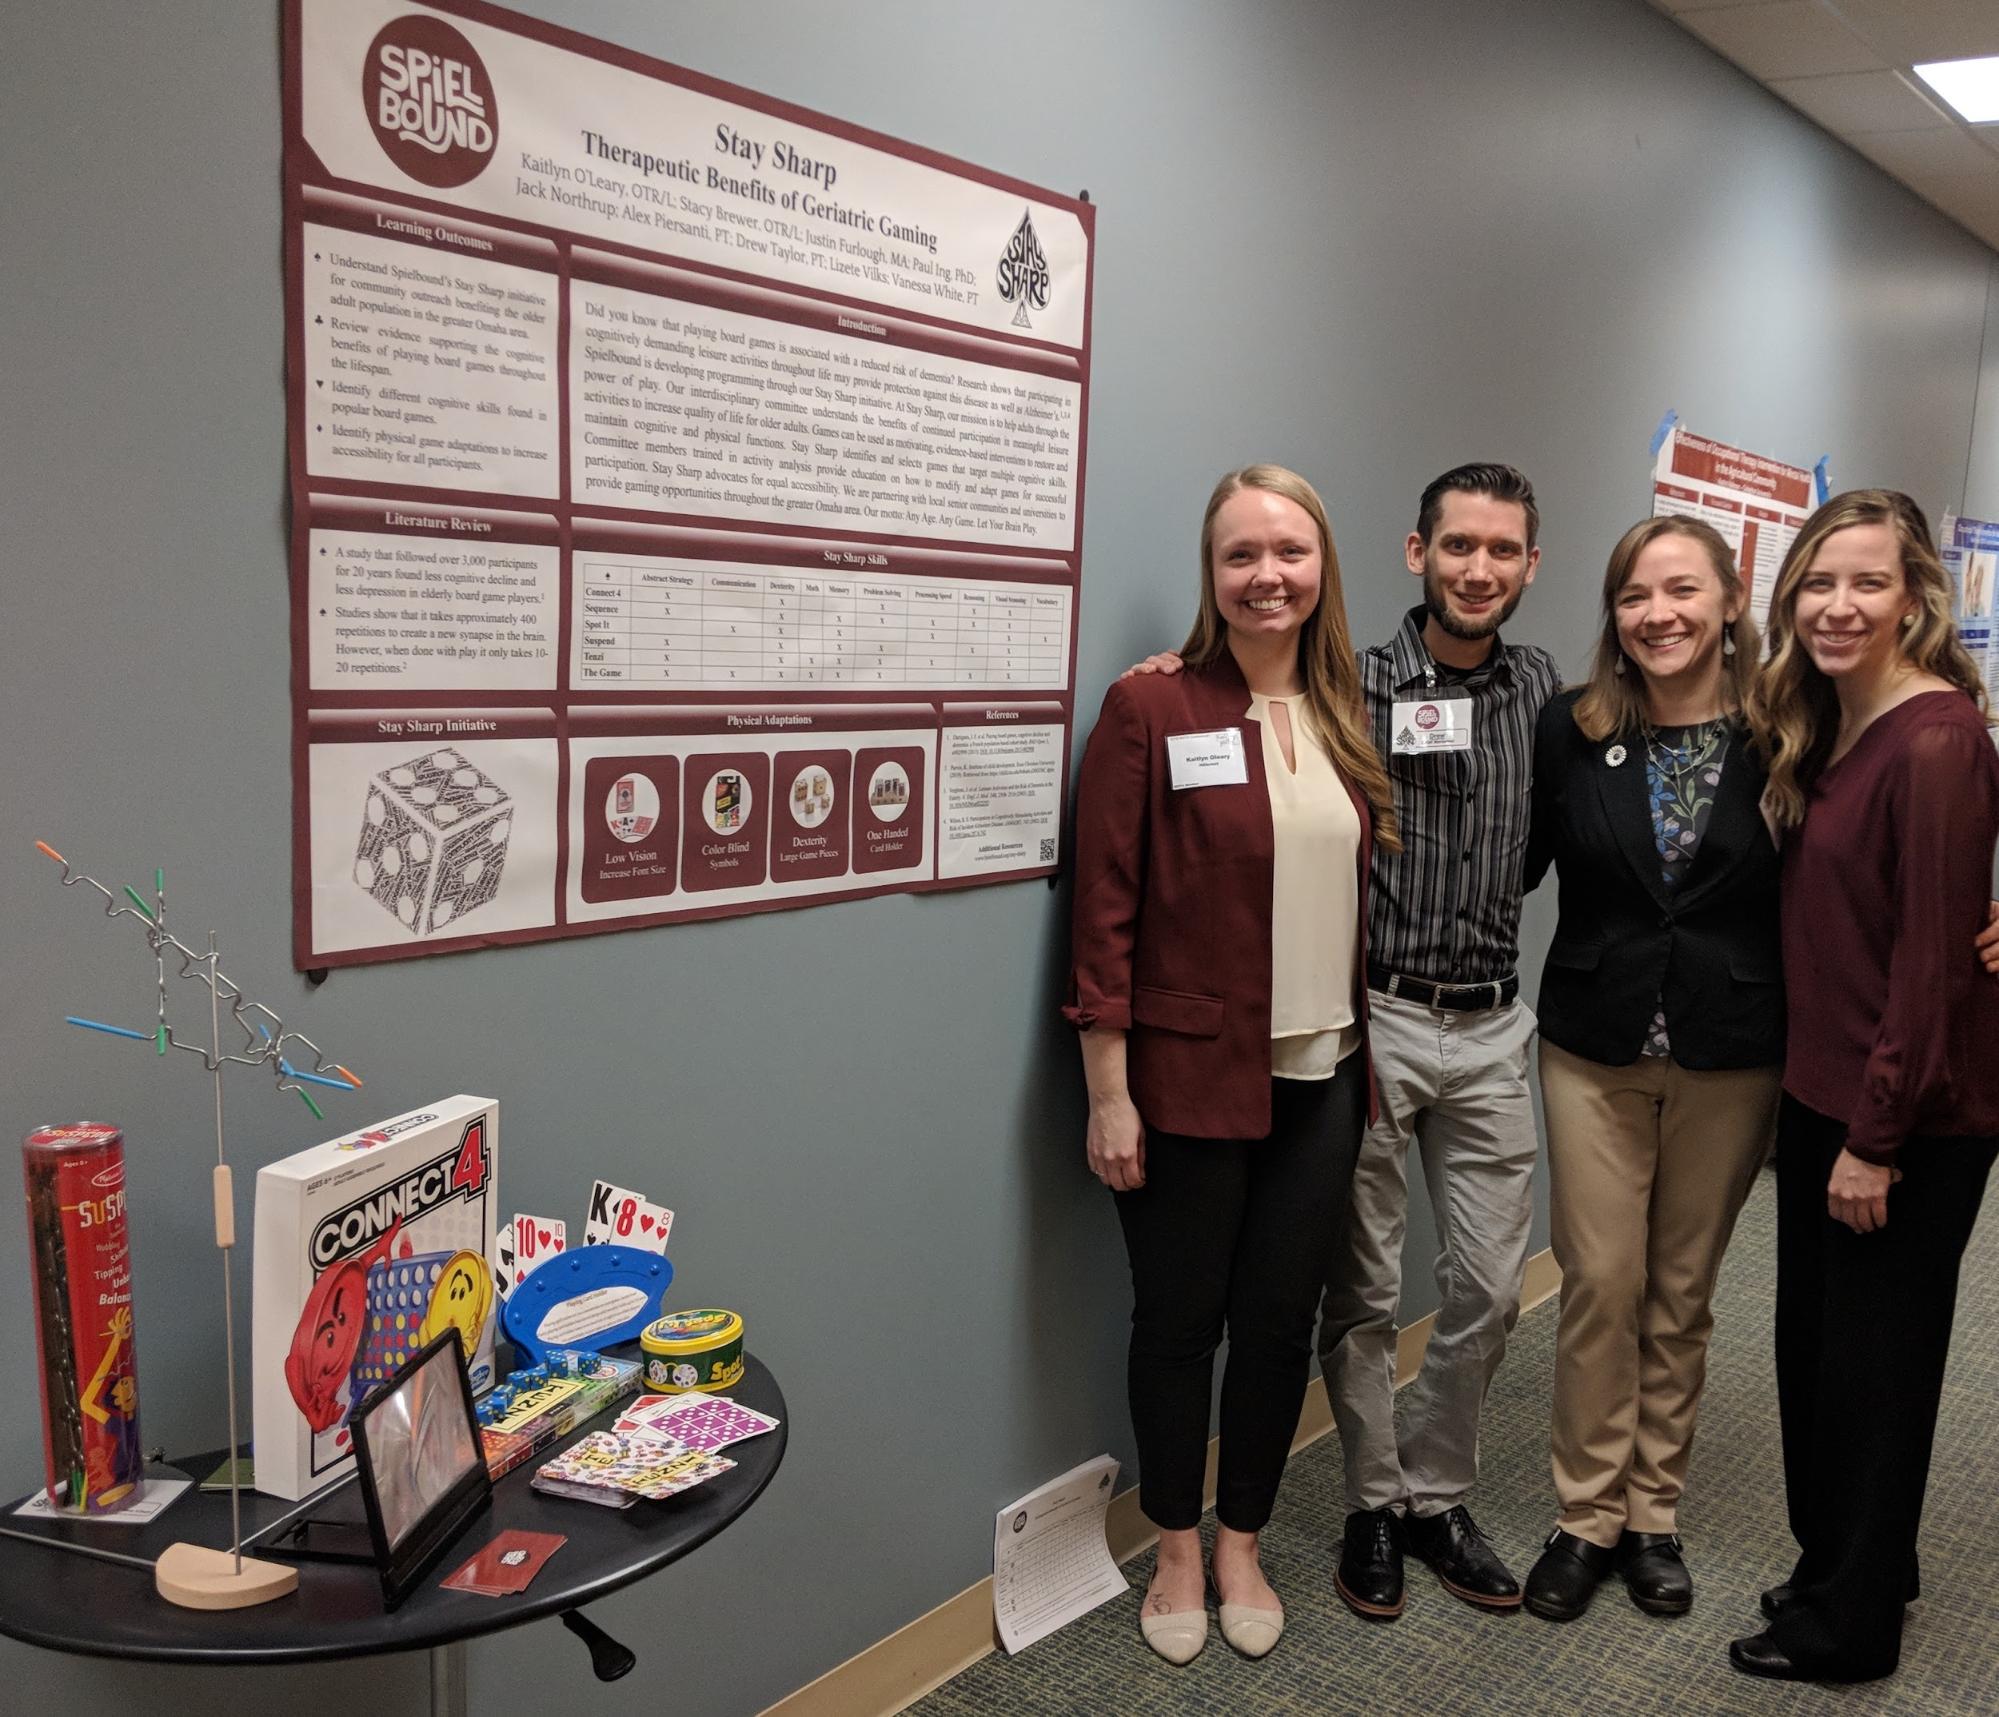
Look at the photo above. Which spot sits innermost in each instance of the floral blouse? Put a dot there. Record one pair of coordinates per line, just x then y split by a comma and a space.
1682, 771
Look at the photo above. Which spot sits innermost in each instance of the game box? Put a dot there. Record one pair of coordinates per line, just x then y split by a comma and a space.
367, 1247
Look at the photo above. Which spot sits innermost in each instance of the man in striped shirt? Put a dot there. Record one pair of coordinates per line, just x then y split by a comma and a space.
1453, 709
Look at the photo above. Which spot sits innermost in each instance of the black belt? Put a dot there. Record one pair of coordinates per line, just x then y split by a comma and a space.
1457, 998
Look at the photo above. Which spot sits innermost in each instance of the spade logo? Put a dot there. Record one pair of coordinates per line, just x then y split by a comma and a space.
1023, 272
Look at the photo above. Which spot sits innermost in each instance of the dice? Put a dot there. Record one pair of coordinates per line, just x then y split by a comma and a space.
433, 840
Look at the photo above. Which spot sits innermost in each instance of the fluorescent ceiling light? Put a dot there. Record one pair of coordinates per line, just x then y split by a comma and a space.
1970, 86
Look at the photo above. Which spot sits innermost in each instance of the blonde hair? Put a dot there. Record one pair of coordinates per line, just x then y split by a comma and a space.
1793, 708
1613, 703
1325, 647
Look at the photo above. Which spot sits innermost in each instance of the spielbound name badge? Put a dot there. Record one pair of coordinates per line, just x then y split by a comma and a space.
1207, 759
1432, 724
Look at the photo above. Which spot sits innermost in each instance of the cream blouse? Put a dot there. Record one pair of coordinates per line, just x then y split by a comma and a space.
1315, 900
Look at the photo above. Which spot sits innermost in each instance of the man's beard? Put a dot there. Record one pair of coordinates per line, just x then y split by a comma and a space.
1456, 625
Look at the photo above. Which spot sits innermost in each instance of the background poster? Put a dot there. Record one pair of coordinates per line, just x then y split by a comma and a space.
1757, 504
1969, 549
687, 493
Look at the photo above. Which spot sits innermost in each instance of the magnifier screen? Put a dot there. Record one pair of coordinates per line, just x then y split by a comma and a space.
420, 1443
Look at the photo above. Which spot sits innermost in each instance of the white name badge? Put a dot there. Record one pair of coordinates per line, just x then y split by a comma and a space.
1207, 759
1431, 724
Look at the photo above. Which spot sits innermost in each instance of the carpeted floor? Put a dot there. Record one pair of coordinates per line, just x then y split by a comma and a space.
1443, 1657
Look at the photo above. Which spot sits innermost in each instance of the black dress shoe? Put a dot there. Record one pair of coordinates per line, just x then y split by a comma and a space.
1369, 1580
1655, 1573
1762, 1654
1467, 1565
1774, 1600
1565, 1575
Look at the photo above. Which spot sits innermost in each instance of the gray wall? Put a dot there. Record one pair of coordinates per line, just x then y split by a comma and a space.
1368, 241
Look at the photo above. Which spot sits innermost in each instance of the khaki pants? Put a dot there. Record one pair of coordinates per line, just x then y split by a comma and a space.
1648, 1166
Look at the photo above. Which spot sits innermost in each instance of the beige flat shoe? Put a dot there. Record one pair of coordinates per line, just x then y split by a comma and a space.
1177, 1636
1252, 1632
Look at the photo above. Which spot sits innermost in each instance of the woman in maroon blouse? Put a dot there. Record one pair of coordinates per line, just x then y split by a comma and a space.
1884, 788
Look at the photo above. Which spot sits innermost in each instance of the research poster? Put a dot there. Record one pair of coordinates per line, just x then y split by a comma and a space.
1757, 504
687, 493
1969, 549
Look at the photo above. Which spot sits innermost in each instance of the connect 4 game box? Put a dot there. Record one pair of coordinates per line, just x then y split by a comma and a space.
367, 1247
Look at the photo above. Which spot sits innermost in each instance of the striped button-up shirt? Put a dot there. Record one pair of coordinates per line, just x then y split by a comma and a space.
1447, 906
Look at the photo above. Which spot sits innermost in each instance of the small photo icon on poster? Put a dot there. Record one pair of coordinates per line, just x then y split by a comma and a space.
888, 791
632, 810
726, 801
811, 798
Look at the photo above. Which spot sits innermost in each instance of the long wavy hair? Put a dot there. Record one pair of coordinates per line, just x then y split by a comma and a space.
1613, 702
1793, 708
1325, 647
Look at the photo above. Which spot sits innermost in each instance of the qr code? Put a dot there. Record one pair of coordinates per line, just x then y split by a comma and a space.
1048, 850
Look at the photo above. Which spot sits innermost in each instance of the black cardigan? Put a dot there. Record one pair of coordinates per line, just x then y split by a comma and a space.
1624, 939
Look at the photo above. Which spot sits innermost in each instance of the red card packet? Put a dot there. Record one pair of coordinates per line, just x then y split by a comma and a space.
506, 1565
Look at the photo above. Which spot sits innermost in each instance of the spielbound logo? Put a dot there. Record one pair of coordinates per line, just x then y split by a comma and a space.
1023, 272
430, 101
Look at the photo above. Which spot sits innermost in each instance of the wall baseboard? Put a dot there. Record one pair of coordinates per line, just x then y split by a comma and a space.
892, 1674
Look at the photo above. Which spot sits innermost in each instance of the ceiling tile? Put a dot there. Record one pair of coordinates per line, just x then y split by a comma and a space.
1791, 39
1976, 212
1911, 155
1861, 101
1906, 31
1972, 199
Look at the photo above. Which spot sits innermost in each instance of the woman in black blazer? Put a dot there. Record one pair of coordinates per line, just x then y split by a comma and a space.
1662, 1038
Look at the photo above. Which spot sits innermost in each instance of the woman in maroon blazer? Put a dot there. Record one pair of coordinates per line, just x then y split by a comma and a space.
1224, 822
1885, 786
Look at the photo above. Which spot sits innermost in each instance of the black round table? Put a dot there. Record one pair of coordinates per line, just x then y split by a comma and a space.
102, 1609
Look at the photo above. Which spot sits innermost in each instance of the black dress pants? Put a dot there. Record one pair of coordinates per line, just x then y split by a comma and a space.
1233, 1236
1863, 1330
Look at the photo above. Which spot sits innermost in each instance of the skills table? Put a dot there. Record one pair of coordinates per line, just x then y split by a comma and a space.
104, 1609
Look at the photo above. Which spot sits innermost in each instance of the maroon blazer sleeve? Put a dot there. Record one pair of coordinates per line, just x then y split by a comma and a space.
1946, 808
1112, 790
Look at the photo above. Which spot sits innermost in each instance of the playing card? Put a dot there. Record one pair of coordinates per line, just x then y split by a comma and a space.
479, 1572
582, 1492
645, 1465
536, 1240
508, 1564
502, 1260
614, 1216
704, 1422
655, 1224
521, 1555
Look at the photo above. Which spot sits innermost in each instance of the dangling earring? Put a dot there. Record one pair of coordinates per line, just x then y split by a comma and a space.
1728, 645
1618, 668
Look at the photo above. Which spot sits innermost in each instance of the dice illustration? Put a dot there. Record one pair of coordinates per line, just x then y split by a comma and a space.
433, 840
